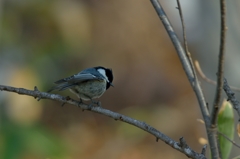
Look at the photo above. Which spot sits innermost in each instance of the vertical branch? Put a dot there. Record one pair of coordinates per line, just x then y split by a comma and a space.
220, 64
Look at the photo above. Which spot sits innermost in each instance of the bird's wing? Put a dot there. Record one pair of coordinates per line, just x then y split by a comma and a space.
77, 78
73, 80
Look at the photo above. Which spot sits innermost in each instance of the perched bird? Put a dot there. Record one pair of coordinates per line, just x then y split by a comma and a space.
88, 84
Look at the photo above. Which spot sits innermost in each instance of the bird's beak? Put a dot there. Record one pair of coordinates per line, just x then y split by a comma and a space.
111, 85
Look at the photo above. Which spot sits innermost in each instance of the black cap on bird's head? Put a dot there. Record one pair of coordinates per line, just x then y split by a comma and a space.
107, 73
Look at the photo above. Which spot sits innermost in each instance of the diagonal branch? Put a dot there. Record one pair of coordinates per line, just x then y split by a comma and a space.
192, 79
142, 125
220, 64
182, 55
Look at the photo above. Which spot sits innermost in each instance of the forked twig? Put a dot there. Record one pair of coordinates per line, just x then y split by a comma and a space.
204, 77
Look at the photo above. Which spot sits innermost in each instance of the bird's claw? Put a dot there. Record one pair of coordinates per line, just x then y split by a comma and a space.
98, 103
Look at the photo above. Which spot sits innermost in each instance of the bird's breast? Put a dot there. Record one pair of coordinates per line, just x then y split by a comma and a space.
90, 89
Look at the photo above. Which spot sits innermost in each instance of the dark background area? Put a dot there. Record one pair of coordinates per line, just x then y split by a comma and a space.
43, 41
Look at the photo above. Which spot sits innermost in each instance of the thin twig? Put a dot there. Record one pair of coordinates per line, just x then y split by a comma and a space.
220, 64
192, 79
183, 27
233, 142
183, 144
204, 77
185, 39
204, 150
142, 125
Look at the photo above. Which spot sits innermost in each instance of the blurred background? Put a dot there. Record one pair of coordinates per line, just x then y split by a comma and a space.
43, 41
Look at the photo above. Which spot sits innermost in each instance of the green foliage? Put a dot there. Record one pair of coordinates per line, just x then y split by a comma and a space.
226, 127
29, 141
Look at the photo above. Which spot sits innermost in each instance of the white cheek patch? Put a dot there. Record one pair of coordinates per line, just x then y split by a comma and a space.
103, 72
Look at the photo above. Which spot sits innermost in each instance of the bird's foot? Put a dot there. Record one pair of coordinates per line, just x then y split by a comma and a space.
80, 102
98, 103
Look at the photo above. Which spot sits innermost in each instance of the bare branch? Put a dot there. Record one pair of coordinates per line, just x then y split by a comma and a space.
175, 40
183, 27
182, 55
183, 144
204, 150
192, 79
220, 64
185, 39
142, 125
231, 96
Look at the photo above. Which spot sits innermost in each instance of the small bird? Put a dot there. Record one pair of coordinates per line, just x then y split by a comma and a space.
88, 84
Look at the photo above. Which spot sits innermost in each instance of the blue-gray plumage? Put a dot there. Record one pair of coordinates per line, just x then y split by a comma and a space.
88, 84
